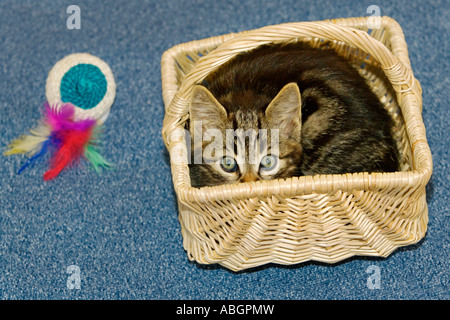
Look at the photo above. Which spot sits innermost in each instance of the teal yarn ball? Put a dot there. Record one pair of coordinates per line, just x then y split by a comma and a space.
84, 85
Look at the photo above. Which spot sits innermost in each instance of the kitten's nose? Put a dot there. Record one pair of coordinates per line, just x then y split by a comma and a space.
249, 177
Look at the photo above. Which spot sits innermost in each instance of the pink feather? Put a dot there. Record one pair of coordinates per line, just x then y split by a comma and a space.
62, 118
70, 136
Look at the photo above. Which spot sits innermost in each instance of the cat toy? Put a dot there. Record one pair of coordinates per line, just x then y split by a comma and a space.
80, 91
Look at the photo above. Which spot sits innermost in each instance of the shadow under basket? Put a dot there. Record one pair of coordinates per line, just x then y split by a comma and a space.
324, 218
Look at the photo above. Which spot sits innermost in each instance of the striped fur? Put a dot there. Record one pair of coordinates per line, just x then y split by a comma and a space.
343, 127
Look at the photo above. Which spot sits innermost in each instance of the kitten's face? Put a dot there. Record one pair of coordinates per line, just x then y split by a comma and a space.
248, 143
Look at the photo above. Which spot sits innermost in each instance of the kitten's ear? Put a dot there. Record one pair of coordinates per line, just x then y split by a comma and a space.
285, 111
204, 107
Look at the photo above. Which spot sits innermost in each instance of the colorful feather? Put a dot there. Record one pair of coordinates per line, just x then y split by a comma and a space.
70, 140
92, 151
36, 156
70, 150
29, 144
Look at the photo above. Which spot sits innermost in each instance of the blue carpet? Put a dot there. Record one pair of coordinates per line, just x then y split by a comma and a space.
121, 228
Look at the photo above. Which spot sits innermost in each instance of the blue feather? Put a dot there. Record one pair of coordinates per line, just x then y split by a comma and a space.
36, 156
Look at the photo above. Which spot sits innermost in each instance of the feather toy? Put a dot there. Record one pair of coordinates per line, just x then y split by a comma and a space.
80, 90
69, 140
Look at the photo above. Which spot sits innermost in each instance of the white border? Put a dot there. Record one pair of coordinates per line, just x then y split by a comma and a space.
52, 88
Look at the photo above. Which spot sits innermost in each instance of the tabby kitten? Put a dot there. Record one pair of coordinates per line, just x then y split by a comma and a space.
292, 110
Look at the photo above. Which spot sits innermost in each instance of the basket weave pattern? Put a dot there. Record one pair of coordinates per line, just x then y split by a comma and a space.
324, 218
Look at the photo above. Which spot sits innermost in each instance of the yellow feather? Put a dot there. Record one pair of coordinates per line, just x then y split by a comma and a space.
29, 143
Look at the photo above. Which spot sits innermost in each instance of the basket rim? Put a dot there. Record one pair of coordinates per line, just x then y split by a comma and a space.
395, 60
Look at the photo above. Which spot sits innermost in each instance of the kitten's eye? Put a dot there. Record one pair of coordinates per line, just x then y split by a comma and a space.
268, 162
228, 164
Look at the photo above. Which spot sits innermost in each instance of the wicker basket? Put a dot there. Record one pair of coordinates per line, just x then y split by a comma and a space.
324, 218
